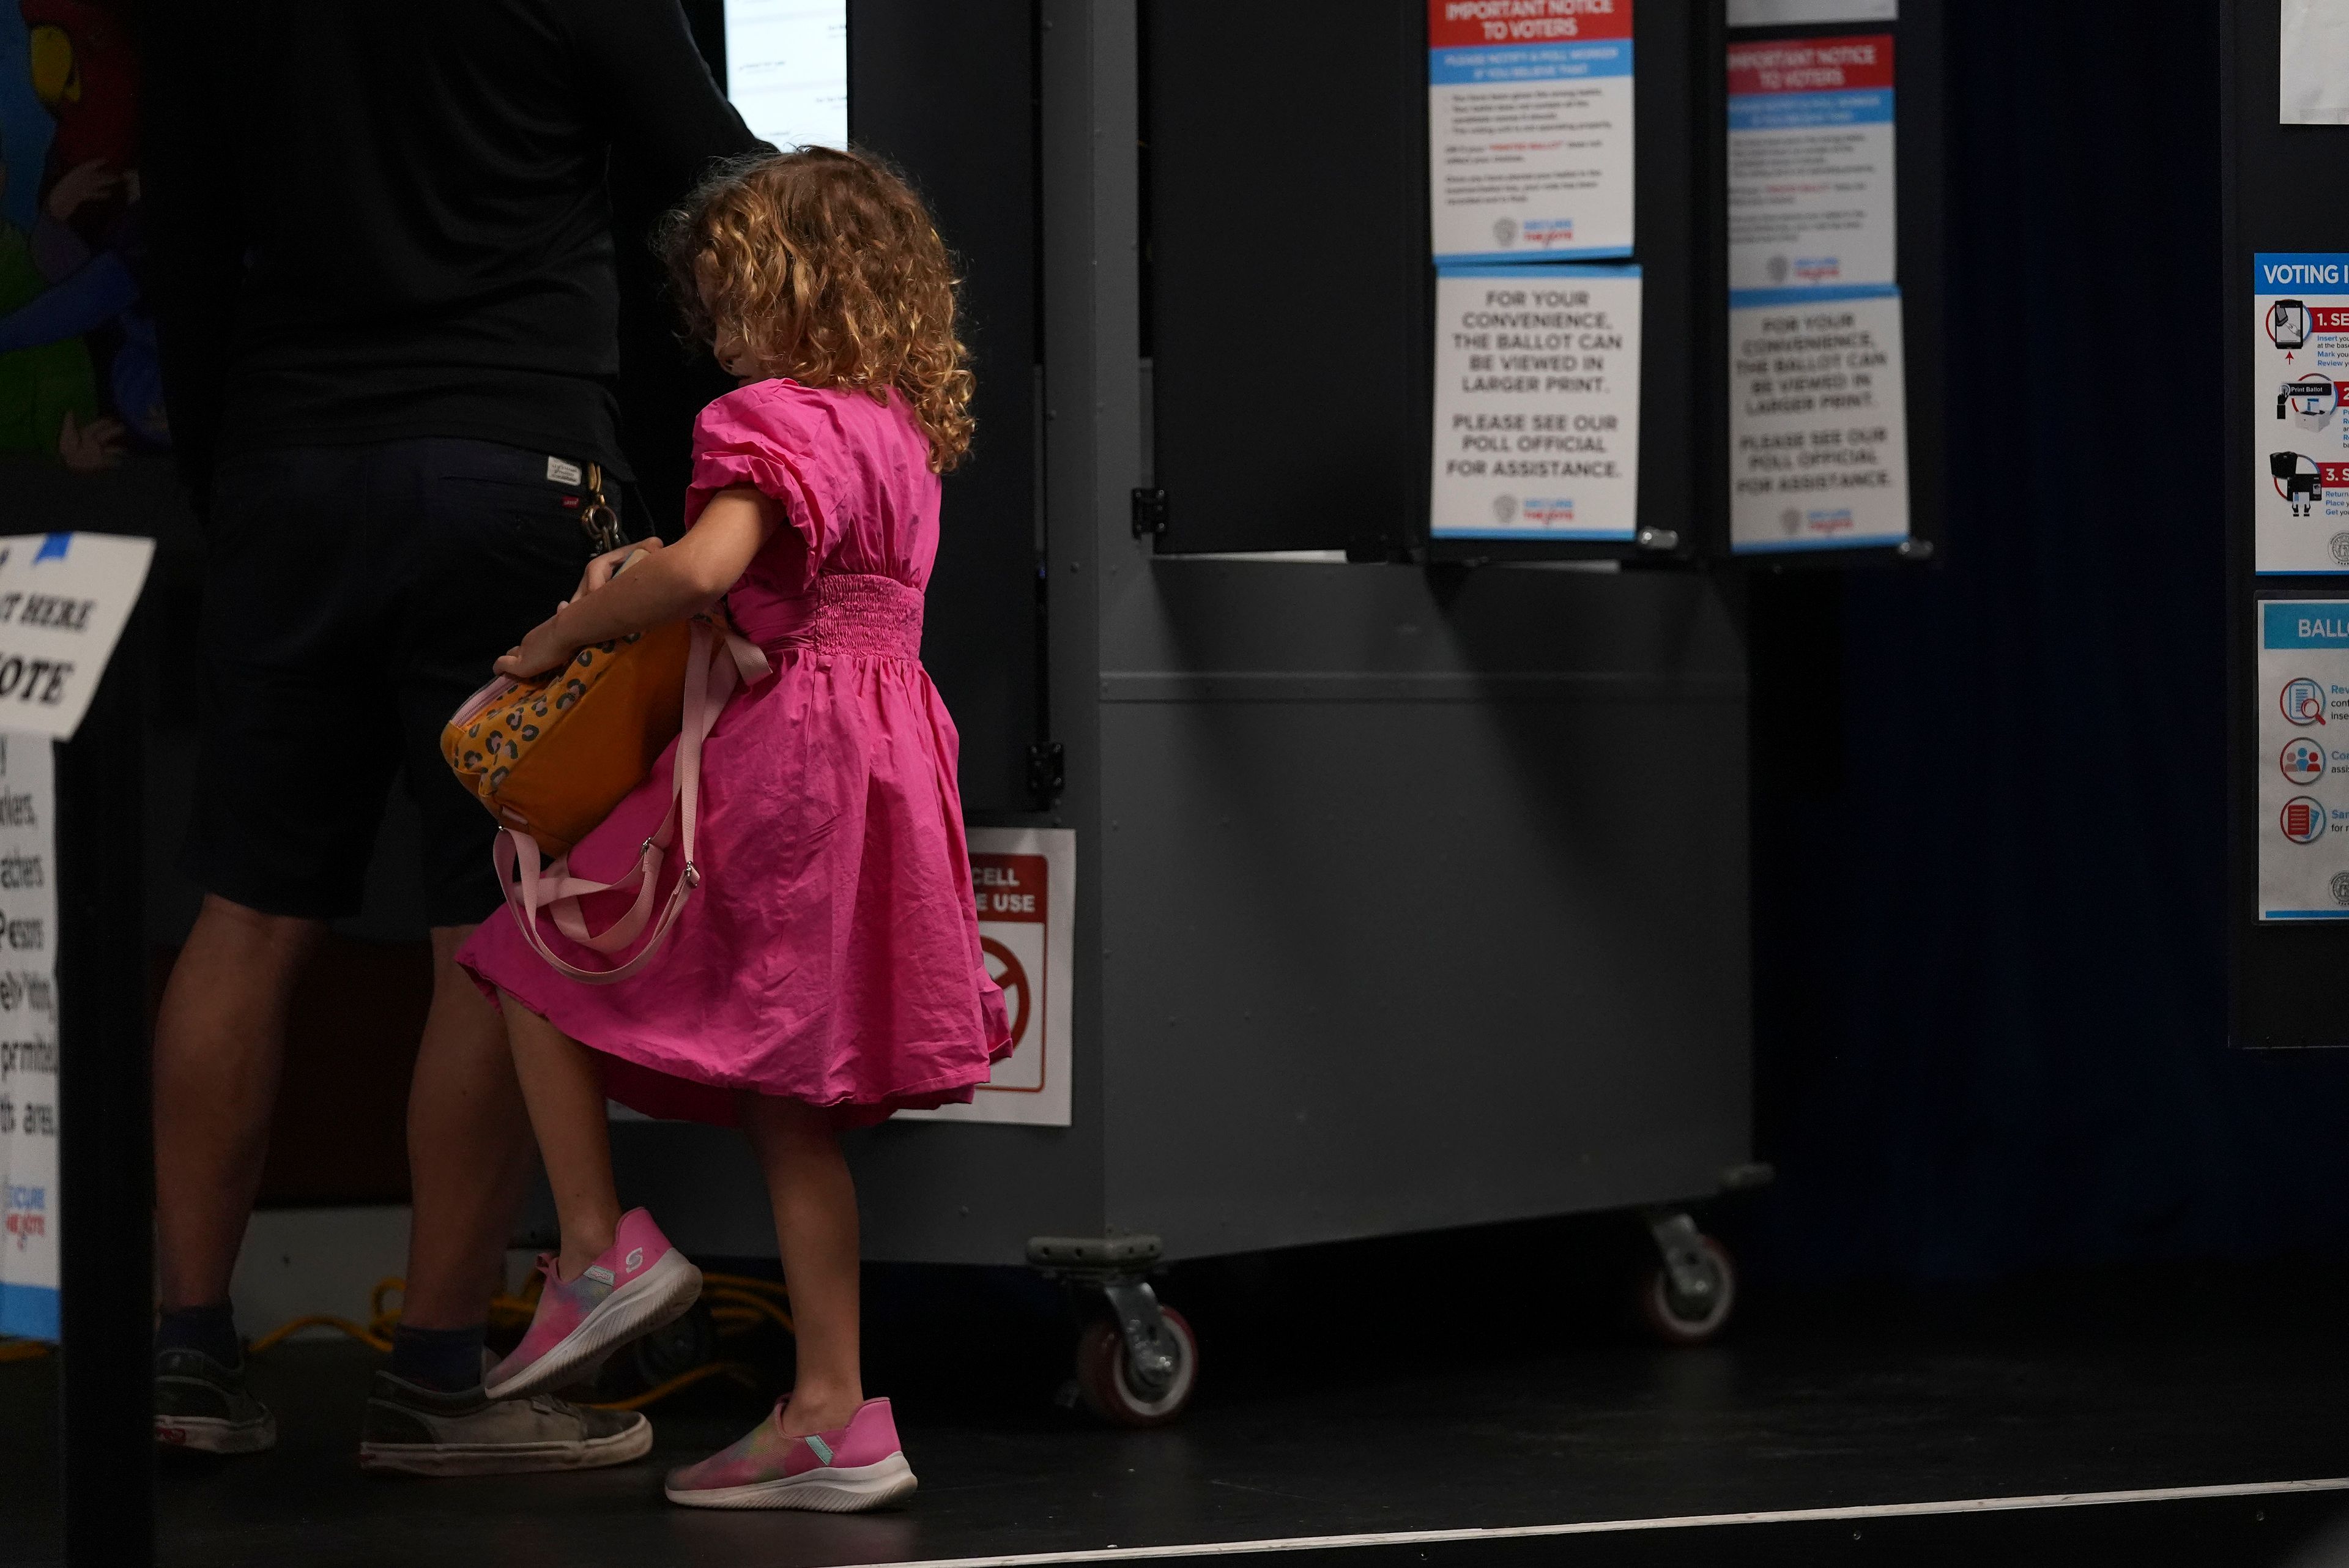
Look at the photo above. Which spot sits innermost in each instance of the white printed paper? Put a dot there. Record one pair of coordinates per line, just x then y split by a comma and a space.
1529, 132
1537, 403
2312, 68
1025, 882
2304, 759
29, 1038
64, 601
1818, 420
2300, 428
1811, 163
787, 69
1785, 13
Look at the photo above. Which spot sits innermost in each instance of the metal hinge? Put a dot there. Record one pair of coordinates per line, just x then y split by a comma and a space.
1046, 772
1149, 513
1658, 539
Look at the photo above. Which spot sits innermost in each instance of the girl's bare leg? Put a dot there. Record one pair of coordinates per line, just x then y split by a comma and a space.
562, 1085
815, 1221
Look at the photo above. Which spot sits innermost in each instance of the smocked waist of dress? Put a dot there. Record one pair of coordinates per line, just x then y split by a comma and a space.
846, 612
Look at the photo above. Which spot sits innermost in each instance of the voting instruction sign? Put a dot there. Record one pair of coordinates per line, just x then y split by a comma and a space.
29, 1038
2299, 381
2302, 800
1818, 420
1529, 133
1024, 881
1537, 403
1810, 162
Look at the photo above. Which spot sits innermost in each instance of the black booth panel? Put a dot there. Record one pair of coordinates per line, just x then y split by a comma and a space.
2284, 974
946, 91
1288, 274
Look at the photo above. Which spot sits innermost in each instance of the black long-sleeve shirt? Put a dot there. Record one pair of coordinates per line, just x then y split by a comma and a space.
387, 218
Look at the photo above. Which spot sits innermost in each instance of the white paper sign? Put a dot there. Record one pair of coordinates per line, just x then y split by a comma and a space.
1537, 403
29, 1038
2304, 759
2300, 428
1783, 13
1818, 420
787, 69
1025, 881
1810, 162
63, 600
1529, 134
2312, 68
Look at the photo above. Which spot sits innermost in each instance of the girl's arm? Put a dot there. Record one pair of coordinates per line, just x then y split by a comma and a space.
666, 586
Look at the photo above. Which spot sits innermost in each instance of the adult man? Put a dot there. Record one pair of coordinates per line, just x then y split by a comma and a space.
387, 305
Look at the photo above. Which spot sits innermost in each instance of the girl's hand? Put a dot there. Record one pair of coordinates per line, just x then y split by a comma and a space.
540, 650
600, 570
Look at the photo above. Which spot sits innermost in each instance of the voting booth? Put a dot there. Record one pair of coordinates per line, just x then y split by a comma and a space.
1343, 609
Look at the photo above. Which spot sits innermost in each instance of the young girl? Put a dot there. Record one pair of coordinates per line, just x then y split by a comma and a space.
826, 971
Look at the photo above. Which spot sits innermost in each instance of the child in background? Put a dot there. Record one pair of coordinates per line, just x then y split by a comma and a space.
827, 969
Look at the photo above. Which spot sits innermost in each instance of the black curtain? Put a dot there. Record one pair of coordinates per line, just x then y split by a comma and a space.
1990, 798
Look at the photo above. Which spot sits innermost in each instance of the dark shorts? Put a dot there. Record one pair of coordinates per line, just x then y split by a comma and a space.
353, 597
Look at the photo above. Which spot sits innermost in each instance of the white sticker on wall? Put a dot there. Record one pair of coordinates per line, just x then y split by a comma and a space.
1025, 882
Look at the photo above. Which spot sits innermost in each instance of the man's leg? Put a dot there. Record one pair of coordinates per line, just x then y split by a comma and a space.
220, 1042
469, 1151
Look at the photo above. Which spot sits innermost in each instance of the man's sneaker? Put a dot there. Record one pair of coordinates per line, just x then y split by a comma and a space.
425, 1432
203, 1406
639, 1283
860, 1466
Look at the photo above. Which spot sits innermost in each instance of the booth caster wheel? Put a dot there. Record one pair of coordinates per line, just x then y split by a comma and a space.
1109, 1389
1685, 1297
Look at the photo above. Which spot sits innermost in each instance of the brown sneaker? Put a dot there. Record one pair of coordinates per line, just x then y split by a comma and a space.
425, 1432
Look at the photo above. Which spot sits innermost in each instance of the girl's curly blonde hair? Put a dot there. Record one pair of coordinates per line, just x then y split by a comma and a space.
825, 267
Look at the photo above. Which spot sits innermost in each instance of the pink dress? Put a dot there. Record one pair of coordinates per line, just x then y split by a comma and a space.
831, 954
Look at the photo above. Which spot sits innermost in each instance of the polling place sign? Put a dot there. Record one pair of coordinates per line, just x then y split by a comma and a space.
64, 601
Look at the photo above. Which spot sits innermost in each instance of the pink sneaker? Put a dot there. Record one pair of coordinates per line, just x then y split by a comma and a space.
639, 1283
860, 1466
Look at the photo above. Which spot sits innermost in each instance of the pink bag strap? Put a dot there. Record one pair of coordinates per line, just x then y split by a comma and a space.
708, 682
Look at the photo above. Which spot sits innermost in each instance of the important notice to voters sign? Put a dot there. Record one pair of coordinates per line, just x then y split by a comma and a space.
1024, 880
2302, 801
1818, 420
2300, 382
1529, 135
1536, 403
1810, 162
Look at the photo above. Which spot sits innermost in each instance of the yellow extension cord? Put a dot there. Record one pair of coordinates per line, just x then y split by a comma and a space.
736, 1301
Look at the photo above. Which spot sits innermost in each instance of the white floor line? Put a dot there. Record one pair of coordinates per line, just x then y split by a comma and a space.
1616, 1526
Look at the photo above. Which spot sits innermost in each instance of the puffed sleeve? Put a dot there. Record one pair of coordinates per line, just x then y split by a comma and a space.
753, 437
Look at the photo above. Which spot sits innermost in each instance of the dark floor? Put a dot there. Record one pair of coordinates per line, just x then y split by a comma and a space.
1410, 1414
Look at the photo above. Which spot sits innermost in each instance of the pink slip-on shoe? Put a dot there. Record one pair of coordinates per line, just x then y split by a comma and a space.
860, 1466
637, 1284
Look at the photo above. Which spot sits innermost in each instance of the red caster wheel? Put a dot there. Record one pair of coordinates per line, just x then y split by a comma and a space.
1106, 1380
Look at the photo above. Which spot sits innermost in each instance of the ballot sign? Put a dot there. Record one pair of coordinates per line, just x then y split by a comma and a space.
29, 1038
1529, 133
1537, 403
2302, 753
64, 601
1810, 162
1024, 886
1818, 420
2300, 382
